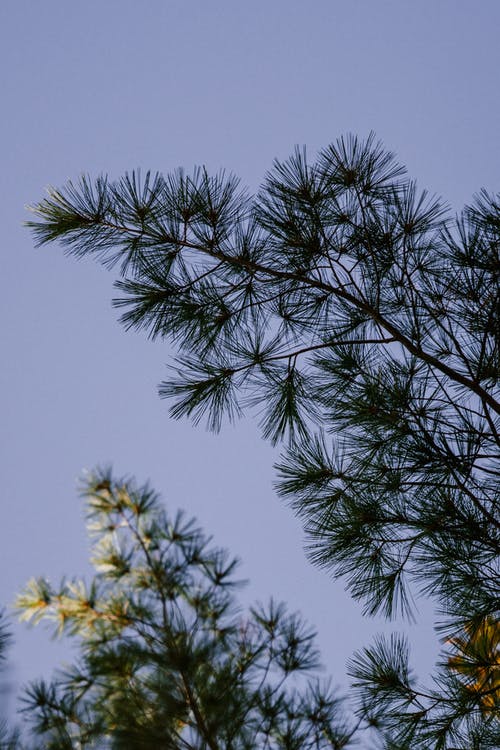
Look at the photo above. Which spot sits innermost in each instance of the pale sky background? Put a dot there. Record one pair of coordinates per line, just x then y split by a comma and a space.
110, 85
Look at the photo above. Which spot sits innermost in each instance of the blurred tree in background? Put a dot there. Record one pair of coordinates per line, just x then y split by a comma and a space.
362, 321
477, 658
166, 659
8, 736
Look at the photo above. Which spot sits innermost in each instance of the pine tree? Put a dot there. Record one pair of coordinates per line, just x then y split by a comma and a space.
165, 657
362, 322
9, 737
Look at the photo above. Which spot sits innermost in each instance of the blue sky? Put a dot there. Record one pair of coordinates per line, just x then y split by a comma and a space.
108, 86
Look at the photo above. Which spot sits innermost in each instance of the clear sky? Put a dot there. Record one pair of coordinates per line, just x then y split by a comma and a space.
109, 85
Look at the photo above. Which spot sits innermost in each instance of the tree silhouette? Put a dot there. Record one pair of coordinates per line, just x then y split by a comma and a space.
362, 321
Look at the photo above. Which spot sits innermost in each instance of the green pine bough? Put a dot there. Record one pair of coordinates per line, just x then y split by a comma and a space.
362, 321
166, 658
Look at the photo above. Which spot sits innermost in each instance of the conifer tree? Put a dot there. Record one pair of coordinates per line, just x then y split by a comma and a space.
165, 658
362, 321
8, 735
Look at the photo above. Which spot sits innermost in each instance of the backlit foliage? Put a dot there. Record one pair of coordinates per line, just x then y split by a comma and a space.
361, 320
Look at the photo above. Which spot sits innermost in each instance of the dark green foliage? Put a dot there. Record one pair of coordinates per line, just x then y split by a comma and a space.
166, 660
445, 717
5, 637
362, 321
9, 738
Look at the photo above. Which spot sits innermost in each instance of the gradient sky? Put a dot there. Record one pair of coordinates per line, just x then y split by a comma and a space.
109, 85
